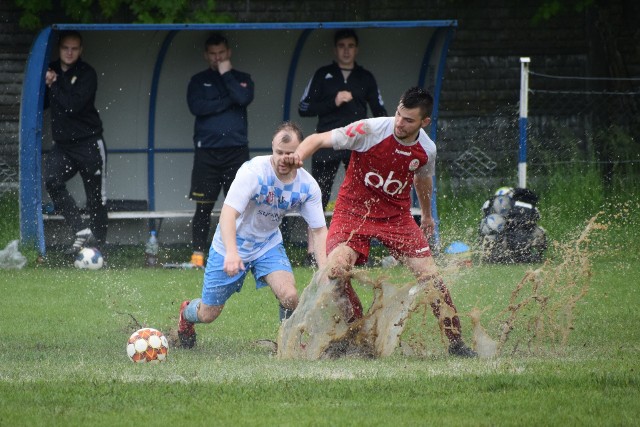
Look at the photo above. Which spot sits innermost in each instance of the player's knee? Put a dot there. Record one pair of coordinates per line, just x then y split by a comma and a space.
289, 298
209, 313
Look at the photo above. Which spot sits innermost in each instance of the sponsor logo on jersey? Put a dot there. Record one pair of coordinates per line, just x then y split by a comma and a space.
273, 216
271, 196
414, 164
389, 185
404, 153
421, 250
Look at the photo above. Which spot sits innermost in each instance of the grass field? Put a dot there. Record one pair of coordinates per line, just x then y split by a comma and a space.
63, 362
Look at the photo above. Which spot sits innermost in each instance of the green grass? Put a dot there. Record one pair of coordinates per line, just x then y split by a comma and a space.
63, 361
63, 334
64, 331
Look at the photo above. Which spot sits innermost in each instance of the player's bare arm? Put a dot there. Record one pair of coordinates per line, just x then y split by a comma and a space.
232, 261
310, 145
320, 245
423, 184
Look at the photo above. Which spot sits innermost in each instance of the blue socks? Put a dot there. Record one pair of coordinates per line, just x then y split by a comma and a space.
285, 313
191, 312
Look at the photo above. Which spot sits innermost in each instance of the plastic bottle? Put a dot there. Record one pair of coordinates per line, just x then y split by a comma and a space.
180, 266
151, 250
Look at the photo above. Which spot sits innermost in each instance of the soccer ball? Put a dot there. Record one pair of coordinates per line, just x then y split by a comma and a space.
492, 224
502, 204
89, 259
504, 191
147, 345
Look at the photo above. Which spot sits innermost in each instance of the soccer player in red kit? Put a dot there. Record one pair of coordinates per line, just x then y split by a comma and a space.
389, 154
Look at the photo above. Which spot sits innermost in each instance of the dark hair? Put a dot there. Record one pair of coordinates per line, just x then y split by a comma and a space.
417, 97
69, 34
216, 39
289, 128
345, 33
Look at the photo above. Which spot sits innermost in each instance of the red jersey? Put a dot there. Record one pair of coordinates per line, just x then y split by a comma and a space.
379, 179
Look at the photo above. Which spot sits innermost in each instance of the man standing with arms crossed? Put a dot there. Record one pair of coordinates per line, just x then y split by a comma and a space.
389, 155
338, 94
78, 146
218, 97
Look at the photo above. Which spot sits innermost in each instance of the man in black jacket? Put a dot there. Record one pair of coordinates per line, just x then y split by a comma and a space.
78, 146
218, 97
338, 94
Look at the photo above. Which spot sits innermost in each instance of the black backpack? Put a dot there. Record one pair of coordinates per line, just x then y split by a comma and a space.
521, 239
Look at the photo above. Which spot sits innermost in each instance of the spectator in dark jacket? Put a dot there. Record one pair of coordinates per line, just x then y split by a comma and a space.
78, 146
338, 94
218, 97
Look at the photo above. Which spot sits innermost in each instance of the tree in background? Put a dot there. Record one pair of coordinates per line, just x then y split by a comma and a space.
551, 8
185, 11
135, 11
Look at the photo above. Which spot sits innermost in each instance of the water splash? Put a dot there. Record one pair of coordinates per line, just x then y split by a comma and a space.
539, 315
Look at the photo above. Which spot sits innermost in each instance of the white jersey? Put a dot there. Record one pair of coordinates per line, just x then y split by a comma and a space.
263, 200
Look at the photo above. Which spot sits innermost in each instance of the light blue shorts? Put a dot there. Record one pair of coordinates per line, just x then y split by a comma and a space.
218, 287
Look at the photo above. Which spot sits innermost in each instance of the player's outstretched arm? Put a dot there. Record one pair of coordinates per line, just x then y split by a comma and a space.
232, 261
320, 245
310, 145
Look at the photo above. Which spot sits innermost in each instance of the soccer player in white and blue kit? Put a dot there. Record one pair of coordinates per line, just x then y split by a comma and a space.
248, 236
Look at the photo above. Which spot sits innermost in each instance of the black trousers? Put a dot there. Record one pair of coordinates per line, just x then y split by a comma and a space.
89, 159
214, 169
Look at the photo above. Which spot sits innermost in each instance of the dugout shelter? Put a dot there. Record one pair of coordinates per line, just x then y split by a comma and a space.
143, 72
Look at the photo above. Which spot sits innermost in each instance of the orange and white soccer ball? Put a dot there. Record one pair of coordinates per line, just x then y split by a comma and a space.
147, 345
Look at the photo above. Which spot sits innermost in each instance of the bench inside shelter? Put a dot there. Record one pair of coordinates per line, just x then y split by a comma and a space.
130, 222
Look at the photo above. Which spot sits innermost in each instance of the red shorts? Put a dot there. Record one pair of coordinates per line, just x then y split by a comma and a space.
400, 234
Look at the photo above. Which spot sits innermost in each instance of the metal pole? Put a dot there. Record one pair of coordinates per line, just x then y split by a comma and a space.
524, 112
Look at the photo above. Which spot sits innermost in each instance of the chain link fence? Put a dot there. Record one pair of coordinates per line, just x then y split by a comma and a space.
8, 178
584, 120
572, 121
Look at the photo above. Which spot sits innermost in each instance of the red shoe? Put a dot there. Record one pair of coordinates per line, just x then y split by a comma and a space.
186, 331
356, 305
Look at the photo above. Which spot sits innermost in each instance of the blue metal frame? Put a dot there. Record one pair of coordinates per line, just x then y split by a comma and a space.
293, 66
153, 96
31, 224
31, 111
258, 26
435, 114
